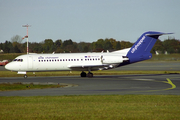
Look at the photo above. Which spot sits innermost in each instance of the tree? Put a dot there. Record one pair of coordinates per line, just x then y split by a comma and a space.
125, 44
107, 45
113, 43
98, 45
48, 45
16, 38
6, 47
67, 42
158, 46
58, 46
1, 46
83, 47
16, 49
171, 45
118, 45
36, 47
58, 43
24, 47
16, 43
70, 46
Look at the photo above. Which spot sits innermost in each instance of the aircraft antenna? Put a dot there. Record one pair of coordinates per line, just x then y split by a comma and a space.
26, 36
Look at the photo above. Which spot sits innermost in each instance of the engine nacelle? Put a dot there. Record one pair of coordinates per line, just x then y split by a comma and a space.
110, 59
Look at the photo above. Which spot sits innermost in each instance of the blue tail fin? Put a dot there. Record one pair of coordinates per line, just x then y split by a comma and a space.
142, 47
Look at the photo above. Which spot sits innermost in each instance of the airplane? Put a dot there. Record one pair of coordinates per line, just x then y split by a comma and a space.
33, 62
4, 62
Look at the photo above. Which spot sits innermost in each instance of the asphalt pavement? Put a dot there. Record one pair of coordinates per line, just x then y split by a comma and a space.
156, 84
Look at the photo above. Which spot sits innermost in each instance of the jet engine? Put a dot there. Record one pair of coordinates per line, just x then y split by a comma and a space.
111, 59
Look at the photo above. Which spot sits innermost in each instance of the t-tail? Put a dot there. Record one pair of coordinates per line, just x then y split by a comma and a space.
141, 49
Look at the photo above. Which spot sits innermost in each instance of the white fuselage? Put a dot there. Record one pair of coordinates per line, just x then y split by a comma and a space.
66, 61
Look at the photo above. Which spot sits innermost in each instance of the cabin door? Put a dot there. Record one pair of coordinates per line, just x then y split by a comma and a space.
30, 62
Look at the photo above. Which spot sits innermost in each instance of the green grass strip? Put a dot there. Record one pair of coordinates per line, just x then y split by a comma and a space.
111, 107
20, 86
77, 73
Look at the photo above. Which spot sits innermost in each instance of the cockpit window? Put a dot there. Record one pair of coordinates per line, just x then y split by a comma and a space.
15, 60
18, 60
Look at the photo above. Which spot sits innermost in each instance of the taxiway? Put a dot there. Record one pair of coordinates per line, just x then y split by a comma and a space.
166, 84
155, 84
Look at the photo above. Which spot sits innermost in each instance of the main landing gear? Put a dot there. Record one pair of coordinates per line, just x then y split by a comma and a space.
83, 74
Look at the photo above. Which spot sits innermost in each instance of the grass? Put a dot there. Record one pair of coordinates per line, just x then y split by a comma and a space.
21, 86
9, 56
77, 73
163, 57
111, 107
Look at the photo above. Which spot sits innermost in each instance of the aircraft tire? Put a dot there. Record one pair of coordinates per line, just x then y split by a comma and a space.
90, 74
83, 74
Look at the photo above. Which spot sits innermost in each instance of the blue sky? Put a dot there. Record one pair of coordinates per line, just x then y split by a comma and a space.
88, 20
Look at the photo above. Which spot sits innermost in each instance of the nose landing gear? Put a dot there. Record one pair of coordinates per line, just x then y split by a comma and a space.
25, 76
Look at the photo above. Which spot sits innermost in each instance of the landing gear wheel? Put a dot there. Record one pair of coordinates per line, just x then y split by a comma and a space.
83, 74
25, 76
90, 74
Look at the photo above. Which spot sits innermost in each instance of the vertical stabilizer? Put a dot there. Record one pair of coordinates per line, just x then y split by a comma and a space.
142, 47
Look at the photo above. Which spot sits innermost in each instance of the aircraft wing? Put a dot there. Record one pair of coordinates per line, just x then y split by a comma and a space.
87, 67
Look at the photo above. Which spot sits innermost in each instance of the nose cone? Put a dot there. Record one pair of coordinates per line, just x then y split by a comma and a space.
9, 66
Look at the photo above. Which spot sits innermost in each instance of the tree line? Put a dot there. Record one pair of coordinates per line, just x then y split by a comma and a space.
67, 46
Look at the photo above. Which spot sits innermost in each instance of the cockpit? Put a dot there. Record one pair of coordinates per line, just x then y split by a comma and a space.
18, 60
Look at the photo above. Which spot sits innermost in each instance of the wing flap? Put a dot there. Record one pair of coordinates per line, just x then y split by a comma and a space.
86, 67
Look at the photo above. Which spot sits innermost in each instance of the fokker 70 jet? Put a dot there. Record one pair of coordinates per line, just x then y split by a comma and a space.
86, 61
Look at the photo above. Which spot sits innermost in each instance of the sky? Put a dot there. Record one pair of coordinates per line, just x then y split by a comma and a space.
88, 20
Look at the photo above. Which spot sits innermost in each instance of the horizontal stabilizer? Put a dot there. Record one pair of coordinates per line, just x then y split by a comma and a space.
156, 34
